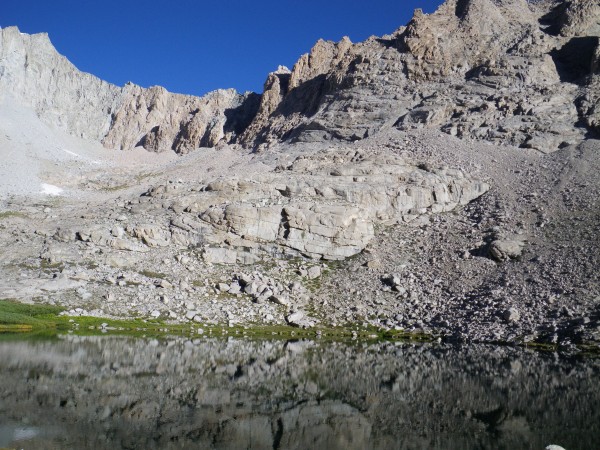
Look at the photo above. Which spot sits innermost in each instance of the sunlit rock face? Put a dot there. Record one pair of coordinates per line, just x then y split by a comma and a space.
501, 71
34, 74
360, 188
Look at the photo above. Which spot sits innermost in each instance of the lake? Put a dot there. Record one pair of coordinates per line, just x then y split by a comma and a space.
97, 392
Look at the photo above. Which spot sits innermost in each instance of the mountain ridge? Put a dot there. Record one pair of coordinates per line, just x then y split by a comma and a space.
35, 74
547, 47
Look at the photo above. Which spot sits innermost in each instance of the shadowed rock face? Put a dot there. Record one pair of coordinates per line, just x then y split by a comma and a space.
118, 393
575, 18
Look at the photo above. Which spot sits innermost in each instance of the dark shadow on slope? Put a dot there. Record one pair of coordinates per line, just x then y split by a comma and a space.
574, 60
144, 138
552, 22
461, 9
492, 419
284, 82
150, 140
388, 43
305, 99
239, 118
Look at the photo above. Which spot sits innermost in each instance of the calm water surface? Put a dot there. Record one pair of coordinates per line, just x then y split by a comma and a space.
107, 392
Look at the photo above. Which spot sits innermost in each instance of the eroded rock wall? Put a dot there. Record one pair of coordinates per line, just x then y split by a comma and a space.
510, 72
159, 120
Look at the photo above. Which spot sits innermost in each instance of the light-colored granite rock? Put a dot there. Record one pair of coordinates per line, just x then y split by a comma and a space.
160, 121
476, 69
32, 73
503, 249
35, 75
510, 71
325, 205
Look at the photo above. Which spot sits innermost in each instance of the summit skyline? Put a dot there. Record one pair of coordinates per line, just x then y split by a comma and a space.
193, 47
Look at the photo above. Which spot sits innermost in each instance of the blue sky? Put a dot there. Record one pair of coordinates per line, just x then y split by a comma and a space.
195, 46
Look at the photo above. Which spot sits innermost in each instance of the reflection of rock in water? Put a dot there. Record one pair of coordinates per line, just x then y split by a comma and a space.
121, 393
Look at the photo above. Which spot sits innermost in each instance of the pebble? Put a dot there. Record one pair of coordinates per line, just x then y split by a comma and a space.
163, 284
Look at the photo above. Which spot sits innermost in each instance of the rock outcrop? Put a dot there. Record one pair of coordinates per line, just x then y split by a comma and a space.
159, 120
321, 206
346, 194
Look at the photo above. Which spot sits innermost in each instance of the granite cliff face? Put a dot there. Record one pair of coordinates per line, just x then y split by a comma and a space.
511, 71
160, 121
33, 74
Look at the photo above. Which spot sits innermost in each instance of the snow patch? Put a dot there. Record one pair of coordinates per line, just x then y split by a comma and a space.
49, 189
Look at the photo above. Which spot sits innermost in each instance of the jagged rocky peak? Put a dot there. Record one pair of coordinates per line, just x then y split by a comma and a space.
34, 74
322, 57
162, 121
488, 10
505, 71
306, 83
159, 120
463, 34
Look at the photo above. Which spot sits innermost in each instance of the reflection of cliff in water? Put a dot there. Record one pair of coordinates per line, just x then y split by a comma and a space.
122, 393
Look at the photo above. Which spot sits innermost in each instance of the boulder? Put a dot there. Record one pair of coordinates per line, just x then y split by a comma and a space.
502, 250
511, 315
299, 319
151, 235
219, 255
